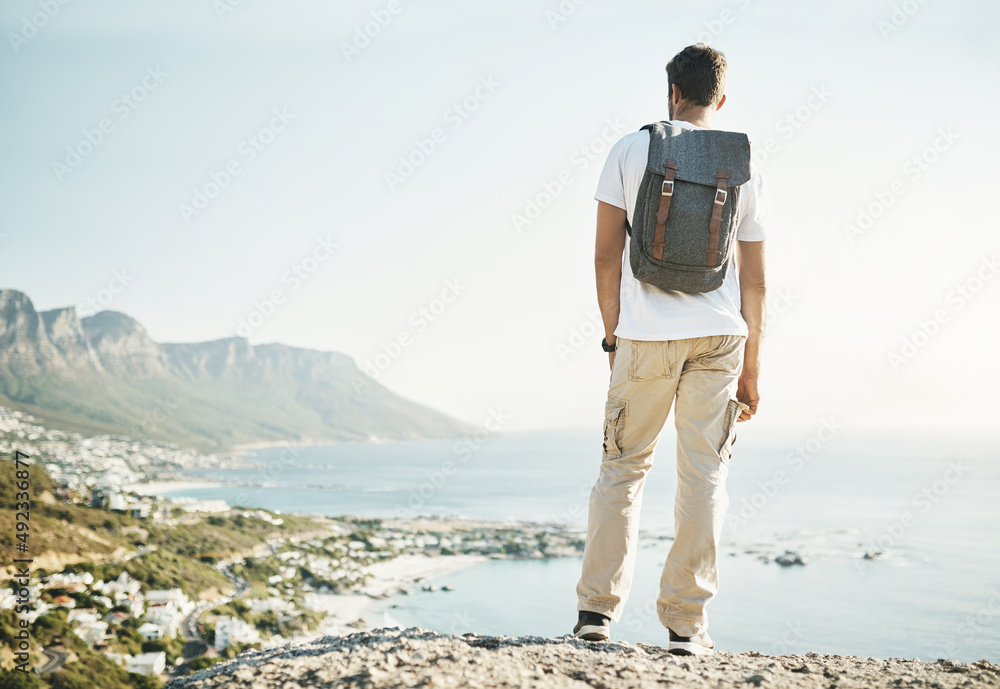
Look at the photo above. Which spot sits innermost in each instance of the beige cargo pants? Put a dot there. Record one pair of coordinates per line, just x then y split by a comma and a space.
698, 376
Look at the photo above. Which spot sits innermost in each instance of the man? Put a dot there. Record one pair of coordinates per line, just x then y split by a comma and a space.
697, 352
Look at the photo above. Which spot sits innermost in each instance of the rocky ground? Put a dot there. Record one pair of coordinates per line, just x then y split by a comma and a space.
417, 657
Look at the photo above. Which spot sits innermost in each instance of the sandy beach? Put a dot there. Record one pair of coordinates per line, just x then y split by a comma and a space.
161, 487
345, 610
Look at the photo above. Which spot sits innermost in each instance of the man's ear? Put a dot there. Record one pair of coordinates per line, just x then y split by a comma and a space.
675, 94
722, 102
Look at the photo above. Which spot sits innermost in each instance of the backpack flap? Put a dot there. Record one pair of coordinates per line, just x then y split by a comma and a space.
702, 152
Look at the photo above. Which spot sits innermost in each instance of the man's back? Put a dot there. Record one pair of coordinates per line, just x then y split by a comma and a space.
647, 312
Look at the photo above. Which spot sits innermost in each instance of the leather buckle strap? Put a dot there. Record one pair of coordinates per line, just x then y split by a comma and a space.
721, 194
663, 211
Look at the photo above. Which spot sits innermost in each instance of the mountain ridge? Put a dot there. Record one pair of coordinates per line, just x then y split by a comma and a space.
105, 374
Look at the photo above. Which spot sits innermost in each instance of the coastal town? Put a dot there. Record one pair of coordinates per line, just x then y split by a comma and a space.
241, 577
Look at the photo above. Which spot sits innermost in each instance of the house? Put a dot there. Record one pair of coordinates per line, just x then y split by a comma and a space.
7, 599
64, 601
83, 615
165, 615
151, 664
151, 631
117, 658
229, 631
176, 596
92, 633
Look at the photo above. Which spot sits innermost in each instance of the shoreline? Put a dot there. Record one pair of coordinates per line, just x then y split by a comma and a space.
348, 613
169, 486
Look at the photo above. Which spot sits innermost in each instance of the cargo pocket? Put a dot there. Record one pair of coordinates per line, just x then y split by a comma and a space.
729, 424
614, 410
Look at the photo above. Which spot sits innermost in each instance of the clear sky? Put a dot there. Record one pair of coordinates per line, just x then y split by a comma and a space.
182, 161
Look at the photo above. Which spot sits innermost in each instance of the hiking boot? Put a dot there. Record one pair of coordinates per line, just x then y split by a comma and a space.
690, 645
592, 626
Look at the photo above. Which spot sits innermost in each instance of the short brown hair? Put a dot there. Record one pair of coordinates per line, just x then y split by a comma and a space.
700, 73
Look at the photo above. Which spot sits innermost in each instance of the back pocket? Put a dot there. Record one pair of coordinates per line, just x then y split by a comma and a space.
649, 360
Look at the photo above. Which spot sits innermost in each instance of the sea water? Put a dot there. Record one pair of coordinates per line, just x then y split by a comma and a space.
929, 512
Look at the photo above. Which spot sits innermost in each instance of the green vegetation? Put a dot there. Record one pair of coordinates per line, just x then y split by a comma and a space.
91, 669
57, 526
161, 570
267, 623
217, 537
202, 662
20, 680
172, 646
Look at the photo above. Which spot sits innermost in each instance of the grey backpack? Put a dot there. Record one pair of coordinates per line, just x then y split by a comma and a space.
686, 213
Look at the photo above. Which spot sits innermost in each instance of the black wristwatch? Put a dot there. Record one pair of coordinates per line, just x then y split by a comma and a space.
606, 347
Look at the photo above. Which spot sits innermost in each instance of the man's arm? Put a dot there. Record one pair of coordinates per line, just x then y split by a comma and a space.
753, 291
611, 233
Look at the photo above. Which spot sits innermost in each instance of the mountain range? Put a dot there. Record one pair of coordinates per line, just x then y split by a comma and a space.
104, 374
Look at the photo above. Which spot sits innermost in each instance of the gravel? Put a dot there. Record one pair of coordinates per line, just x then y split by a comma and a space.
415, 657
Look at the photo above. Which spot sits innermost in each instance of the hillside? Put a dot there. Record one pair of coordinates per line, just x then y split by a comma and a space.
394, 658
61, 533
104, 374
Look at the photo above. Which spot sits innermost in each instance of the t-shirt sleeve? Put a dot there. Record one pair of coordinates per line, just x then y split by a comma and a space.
611, 185
753, 226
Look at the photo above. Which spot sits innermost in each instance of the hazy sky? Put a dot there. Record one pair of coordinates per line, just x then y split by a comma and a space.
188, 159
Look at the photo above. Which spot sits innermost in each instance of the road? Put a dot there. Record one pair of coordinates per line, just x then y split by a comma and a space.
56, 660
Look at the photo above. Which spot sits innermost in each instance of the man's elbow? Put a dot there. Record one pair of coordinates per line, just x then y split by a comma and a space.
607, 262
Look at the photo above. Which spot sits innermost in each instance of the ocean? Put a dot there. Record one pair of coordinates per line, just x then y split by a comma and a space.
930, 508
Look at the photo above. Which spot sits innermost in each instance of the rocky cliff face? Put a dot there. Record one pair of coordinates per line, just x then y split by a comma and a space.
105, 374
384, 658
123, 346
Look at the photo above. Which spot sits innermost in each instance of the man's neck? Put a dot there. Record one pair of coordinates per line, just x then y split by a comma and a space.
698, 116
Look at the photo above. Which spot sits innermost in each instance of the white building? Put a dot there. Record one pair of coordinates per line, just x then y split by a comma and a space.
166, 615
124, 585
176, 596
117, 501
83, 615
151, 631
151, 664
92, 633
229, 631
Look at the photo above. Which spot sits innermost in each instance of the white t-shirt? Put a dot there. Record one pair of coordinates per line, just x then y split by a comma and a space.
648, 312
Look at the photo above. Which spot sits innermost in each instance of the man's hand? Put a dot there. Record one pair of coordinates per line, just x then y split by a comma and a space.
611, 360
746, 392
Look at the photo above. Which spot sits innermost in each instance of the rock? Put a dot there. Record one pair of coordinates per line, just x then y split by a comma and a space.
447, 588
790, 558
392, 658
873, 555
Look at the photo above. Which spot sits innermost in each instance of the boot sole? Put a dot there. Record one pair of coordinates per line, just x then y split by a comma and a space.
592, 632
683, 648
